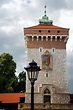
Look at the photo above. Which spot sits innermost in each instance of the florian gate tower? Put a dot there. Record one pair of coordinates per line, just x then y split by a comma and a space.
46, 44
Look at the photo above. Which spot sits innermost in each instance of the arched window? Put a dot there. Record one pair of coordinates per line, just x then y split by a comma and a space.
47, 96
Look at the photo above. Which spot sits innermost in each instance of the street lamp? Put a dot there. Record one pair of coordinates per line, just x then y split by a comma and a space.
32, 71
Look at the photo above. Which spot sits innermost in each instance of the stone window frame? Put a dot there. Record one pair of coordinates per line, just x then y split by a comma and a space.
46, 94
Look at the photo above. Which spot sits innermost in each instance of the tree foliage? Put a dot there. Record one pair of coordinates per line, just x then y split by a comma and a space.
7, 71
8, 80
7, 65
22, 81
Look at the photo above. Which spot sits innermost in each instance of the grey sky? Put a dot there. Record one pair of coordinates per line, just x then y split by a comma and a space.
17, 14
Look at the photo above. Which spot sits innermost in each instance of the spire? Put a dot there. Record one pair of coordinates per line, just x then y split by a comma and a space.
45, 20
45, 10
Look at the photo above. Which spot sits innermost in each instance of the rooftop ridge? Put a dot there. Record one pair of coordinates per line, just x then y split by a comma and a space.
39, 26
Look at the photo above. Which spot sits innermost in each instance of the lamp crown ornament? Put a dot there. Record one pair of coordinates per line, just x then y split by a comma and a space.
32, 71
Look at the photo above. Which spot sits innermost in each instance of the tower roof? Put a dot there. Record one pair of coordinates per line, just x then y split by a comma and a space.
45, 19
43, 26
45, 23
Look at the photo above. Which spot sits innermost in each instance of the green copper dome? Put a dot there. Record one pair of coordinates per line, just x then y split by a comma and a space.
45, 19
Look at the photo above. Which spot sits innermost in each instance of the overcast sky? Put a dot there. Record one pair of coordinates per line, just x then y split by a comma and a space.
17, 14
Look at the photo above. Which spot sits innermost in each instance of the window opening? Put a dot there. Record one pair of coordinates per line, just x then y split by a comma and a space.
40, 49
58, 31
46, 74
39, 30
53, 50
47, 97
48, 31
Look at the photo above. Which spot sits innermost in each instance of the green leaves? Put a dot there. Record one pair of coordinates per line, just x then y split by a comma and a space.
22, 81
7, 65
8, 80
7, 71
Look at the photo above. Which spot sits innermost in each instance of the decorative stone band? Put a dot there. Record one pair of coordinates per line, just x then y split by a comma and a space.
47, 37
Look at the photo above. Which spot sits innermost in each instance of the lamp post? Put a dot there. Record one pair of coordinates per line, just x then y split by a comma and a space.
32, 71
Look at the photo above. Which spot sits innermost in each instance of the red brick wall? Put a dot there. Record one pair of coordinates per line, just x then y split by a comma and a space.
46, 44
46, 31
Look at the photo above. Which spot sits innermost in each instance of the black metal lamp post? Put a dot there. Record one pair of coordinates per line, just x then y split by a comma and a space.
32, 71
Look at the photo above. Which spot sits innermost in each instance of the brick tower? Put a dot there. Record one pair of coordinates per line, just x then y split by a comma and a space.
46, 44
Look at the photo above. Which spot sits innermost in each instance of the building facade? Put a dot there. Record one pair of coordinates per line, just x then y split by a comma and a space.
46, 44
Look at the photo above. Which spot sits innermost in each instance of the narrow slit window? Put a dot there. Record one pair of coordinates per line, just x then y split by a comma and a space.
40, 49
53, 50
46, 74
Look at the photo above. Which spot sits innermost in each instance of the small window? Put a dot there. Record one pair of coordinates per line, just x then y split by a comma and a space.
39, 30
40, 49
53, 50
47, 75
58, 31
48, 31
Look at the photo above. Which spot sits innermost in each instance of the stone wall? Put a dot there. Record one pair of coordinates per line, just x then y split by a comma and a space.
55, 98
46, 106
56, 82
46, 44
